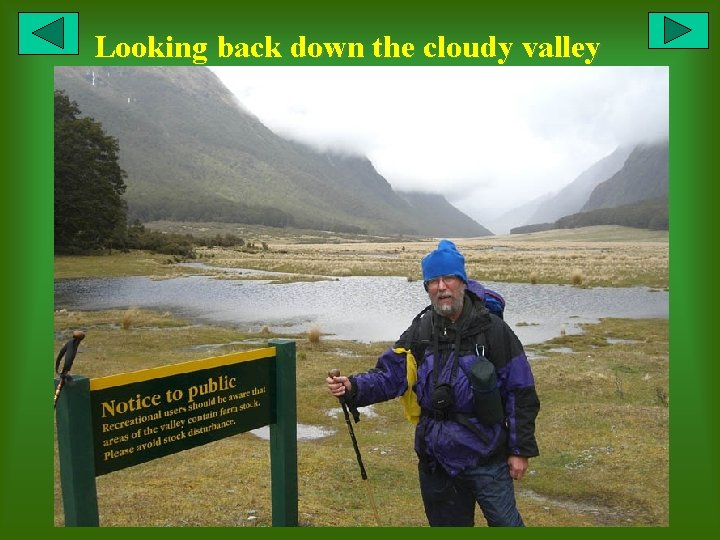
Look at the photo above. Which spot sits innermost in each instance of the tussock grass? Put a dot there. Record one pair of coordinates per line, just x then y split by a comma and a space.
602, 430
314, 335
576, 277
127, 319
599, 256
604, 455
493, 259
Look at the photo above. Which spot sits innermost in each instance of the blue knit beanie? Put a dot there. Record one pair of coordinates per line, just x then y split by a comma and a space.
446, 260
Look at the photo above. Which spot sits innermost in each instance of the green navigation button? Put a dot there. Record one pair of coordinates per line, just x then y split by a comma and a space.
689, 30
48, 33
53, 33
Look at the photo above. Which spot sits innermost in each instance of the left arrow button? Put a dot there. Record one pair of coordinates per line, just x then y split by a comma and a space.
53, 32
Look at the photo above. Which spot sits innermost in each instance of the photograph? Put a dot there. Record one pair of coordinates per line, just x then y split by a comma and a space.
480, 255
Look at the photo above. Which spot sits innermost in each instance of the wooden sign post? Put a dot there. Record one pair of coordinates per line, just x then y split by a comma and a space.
109, 423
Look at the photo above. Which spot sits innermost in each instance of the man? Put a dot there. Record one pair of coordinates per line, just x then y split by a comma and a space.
471, 442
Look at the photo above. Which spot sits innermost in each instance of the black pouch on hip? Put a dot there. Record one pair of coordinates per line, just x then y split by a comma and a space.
487, 403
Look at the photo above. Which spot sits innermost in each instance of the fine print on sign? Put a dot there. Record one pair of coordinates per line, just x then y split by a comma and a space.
144, 420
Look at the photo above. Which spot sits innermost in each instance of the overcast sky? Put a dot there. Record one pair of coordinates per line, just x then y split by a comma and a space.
488, 138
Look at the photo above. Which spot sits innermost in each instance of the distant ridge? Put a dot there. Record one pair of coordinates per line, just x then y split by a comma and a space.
192, 153
446, 220
634, 196
573, 197
644, 176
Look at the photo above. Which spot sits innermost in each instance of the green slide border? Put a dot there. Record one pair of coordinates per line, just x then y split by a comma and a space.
26, 415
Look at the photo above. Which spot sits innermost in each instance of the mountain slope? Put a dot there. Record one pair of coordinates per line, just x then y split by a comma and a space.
573, 197
192, 153
439, 217
644, 176
649, 214
636, 195
512, 218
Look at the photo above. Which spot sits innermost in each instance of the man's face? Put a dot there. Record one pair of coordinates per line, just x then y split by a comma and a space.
446, 295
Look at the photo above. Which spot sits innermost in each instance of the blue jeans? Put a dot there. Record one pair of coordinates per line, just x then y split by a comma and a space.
450, 501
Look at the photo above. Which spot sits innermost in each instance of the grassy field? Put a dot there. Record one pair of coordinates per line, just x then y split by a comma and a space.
592, 256
602, 429
134, 263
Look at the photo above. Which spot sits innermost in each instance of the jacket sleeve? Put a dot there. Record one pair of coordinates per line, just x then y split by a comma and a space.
517, 386
387, 380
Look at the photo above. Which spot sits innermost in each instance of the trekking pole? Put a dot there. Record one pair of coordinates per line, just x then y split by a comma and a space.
58, 390
356, 416
68, 351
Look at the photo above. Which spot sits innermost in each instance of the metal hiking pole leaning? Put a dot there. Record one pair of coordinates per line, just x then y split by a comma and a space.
58, 389
68, 352
356, 416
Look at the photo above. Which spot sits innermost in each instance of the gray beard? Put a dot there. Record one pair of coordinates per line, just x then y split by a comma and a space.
445, 310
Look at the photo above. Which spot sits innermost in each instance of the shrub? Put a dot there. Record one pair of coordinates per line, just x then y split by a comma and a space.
127, 319
314, 335
577, 277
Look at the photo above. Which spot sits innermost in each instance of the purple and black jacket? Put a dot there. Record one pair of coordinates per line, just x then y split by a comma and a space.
446, 441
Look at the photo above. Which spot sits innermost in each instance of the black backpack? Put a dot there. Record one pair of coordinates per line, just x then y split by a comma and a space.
487, 403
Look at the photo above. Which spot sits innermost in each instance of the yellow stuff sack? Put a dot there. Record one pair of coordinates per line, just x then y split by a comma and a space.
411, 407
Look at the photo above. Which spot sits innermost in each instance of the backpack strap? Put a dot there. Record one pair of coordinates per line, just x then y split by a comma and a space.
413, 343
464, 419
460, 418
420, 334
